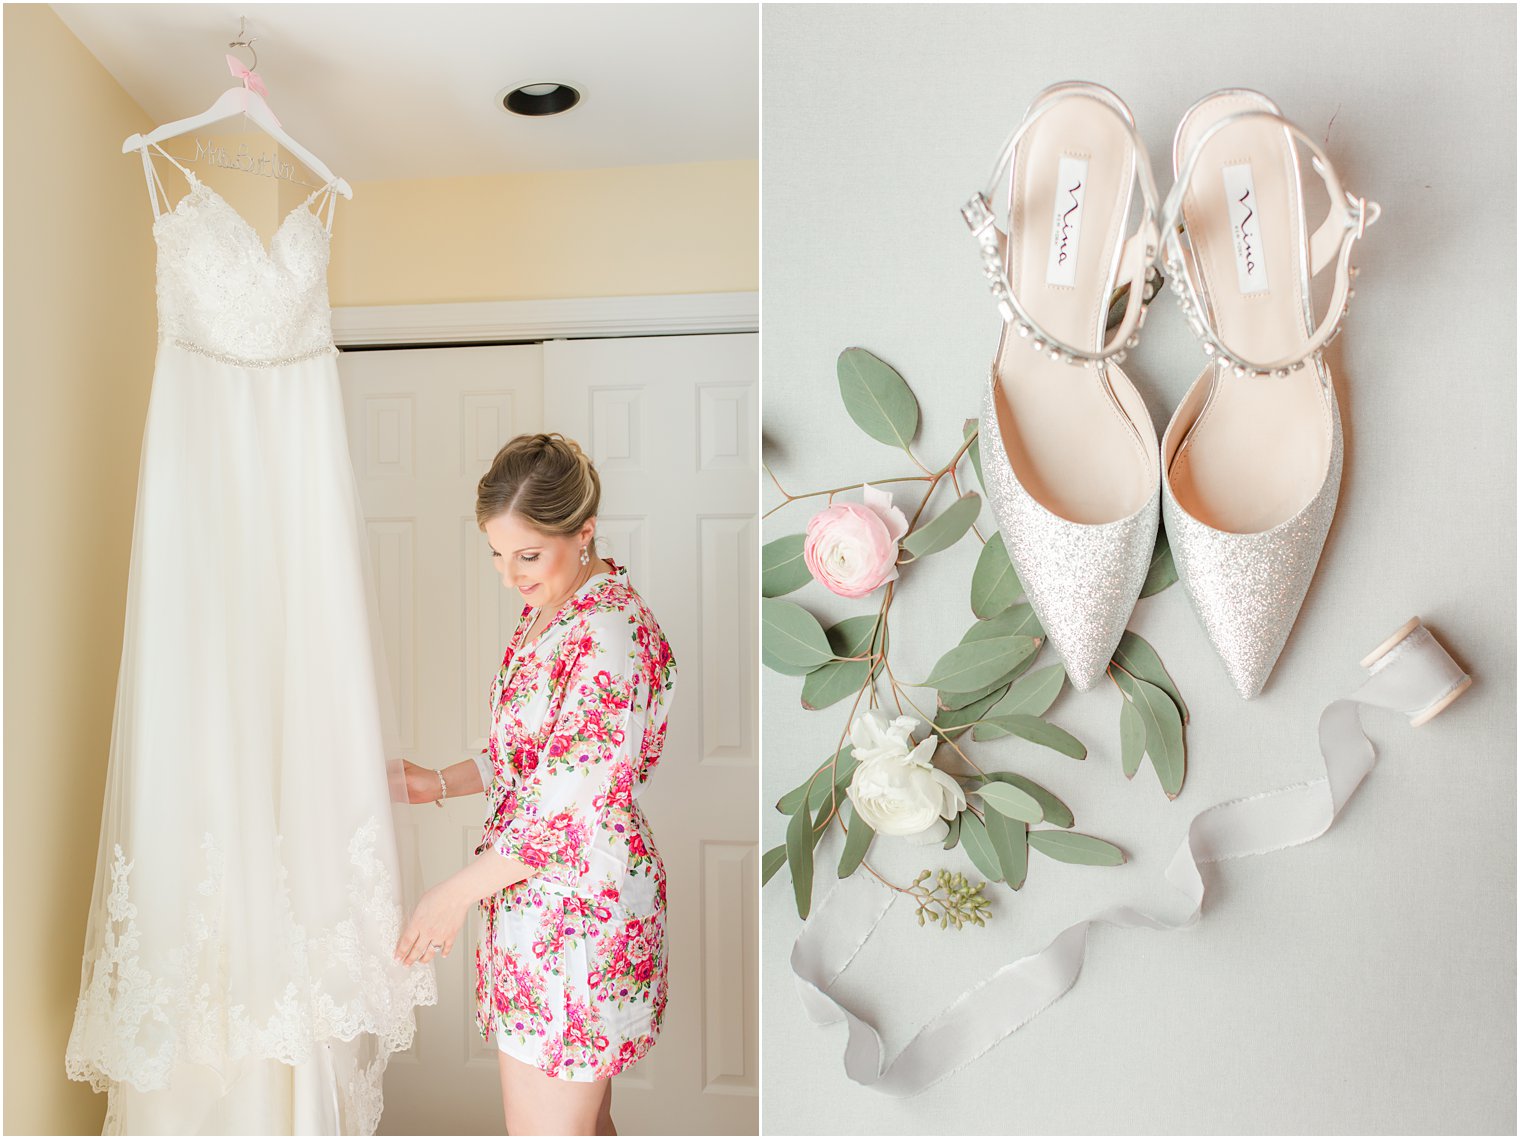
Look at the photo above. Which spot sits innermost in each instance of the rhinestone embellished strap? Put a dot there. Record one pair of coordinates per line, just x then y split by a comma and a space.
1135, 262
1345, 224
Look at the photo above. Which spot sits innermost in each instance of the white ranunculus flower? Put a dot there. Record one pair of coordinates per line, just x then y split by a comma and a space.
873, 735
897, 791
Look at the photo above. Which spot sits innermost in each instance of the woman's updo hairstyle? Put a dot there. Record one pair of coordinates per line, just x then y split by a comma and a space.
546, 480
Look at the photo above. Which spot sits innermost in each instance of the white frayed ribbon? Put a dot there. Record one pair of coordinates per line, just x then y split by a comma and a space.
1410, 673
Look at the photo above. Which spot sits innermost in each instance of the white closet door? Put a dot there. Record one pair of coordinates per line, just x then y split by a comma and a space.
671, 423
424, 424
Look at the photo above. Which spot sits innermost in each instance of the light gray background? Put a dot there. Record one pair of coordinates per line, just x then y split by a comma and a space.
1362, 983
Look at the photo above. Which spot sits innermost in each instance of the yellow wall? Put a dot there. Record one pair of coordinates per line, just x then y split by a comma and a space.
629, 231
79, 343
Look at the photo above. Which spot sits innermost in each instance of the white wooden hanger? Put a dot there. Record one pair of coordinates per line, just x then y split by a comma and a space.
241, 101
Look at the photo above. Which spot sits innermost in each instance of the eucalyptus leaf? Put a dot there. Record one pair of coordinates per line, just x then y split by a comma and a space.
1032, 694
825, 795
1163, 730
832, 682
855, 845
792, 635
799, 852
787, 804
1033, 729
1131, 737
821, 825
958, 719
979, 847
781, 566
1056, 812
947, 528
973, 666
1009, 838
844, 768
1074, 846
852, 637
1163, 571
994, 584
781, 666
1018, 621
953, 833
987, 630
877, 398
955, 700
969, 428
1136, 657
1011, 801
773, 860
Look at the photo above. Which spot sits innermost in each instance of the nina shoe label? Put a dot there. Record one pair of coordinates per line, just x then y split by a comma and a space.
1066, 231
1245, 228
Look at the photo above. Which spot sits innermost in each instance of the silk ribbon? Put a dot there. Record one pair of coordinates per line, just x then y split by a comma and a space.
251, 82
1410, 673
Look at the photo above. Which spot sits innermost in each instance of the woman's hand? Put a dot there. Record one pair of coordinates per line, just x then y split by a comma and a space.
436, 921
421, 783
440, 912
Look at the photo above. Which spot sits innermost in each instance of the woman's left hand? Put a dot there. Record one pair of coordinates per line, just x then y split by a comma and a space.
436, 921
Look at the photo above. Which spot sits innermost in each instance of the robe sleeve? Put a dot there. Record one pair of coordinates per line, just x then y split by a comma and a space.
487, 770
600, 712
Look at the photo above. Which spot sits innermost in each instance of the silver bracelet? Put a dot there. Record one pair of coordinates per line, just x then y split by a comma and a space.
443, 788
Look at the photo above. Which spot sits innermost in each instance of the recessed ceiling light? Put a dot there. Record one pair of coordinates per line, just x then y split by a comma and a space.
539, 99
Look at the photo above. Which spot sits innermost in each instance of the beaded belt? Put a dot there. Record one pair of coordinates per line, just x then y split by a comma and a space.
248, 362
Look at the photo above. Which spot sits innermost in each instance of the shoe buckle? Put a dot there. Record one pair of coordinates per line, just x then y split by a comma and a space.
978, 215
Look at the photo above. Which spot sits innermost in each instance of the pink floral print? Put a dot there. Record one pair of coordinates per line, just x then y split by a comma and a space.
571, 965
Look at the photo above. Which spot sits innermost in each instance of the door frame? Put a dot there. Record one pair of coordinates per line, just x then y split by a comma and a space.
572, 318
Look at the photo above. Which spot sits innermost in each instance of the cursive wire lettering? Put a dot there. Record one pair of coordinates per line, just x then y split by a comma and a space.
264, 165
1076, 204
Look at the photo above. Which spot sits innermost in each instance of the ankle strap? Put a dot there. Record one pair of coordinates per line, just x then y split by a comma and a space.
1343, 226
1135, 261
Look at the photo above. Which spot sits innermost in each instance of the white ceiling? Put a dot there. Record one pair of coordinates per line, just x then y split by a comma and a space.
408, 90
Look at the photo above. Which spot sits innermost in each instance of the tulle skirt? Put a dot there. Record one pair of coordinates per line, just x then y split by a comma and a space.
237, 972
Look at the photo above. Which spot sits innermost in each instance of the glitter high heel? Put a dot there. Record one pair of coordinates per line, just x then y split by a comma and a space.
1252, 456
1068, 449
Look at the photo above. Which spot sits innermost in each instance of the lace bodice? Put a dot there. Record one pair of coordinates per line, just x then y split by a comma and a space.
222, 293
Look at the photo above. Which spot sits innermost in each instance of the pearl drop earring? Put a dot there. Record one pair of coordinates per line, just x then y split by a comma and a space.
585, 557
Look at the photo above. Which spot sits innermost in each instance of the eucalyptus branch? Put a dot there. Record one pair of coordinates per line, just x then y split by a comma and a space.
789, 498
881, 403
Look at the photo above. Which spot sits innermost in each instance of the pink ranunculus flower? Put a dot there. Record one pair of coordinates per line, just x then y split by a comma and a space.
851, 547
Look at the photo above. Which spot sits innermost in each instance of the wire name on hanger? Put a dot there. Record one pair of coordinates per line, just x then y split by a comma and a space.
264, 165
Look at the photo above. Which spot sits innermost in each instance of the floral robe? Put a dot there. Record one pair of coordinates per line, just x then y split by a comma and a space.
570, 969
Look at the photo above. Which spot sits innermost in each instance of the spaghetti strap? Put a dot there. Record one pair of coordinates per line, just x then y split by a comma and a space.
183, 170
155, 184
155, 187
330, 190
329, 203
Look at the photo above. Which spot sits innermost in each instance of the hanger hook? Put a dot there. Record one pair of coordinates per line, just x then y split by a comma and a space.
242, 41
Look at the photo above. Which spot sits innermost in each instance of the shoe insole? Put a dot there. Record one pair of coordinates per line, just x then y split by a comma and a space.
1070, 443
1259, 449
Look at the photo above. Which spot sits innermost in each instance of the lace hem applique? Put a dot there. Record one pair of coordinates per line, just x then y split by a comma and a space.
188, 1004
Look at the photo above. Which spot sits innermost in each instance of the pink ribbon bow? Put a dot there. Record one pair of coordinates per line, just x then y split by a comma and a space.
250, 79
251, 82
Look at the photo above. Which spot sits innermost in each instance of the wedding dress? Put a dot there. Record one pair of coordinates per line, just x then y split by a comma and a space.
238, 973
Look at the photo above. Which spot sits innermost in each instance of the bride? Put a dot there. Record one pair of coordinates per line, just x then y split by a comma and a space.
571, 968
